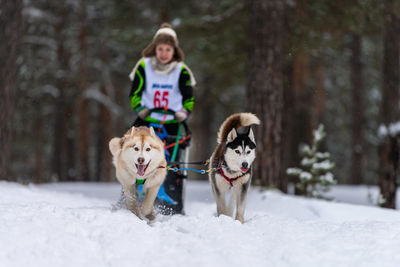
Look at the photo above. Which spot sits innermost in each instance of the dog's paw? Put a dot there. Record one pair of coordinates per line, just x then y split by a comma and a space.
151, 216
135, 211
239, 218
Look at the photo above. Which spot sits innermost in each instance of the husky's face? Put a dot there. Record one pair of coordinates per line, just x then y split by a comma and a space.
240, 150
140, 150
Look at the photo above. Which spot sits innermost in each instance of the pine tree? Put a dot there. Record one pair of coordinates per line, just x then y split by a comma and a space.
315, 175
265, 87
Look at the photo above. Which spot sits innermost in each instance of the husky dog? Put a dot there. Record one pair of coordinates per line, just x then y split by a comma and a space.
139, 157
231, 163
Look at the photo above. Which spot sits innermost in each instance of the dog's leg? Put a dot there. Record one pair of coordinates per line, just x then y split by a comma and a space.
220, 200
221, 205
218, 195
241, 197
148, 202
131, 202
231, 203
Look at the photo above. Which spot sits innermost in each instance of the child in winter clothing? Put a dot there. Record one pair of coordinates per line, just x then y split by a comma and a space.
161, 80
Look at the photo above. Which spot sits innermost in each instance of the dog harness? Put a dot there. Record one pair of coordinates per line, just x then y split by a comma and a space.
140, 181
230, 180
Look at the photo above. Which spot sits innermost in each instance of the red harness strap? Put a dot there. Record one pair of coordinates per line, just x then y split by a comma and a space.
230, 180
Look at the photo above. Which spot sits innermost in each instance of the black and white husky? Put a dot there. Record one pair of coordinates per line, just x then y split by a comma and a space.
231, 163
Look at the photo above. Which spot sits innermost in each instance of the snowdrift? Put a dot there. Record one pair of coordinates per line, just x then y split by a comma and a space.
73, 225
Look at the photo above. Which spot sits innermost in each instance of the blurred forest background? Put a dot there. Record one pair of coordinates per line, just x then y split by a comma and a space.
295, 63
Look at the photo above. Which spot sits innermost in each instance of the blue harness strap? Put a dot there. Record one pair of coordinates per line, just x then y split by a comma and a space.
188, 169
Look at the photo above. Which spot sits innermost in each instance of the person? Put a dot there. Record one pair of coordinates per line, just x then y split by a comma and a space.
160, 79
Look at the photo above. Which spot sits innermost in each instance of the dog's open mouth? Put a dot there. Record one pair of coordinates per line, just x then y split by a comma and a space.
244, 169
141, 168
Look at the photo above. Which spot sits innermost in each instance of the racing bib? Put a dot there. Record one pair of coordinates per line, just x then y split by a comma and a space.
162, 91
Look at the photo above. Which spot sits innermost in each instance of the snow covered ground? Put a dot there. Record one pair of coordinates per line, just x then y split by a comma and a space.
73, 225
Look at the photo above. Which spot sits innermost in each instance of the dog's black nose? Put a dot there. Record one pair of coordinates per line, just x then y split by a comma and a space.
245, 165
140, 160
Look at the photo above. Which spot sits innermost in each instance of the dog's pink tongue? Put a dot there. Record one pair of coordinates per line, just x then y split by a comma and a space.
141, 169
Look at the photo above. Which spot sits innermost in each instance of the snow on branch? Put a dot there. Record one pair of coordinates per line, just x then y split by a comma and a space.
40, 40
33, 13
94, 94
227, 14
393, 129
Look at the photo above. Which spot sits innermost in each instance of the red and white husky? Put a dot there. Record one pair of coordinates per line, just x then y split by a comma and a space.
139, 156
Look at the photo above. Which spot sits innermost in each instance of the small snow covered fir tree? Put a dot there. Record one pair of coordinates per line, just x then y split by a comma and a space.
315, 175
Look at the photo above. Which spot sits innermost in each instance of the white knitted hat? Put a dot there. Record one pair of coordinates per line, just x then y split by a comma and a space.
168, 31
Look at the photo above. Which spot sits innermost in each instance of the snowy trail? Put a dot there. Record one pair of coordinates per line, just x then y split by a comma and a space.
73, 225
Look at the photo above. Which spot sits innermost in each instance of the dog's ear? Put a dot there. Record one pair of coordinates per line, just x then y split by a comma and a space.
231, 136
132, 131
251, 136
152, 133
115, 145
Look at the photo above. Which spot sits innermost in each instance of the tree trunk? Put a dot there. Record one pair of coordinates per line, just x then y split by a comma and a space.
99, 154
389, 146
10, 25
59, 172
102, 170
38, 150
69, 143
302, 124
357, 110
389, 165
265, 87
287, 124
302, 103
107, 135
83, 113
59, 131
319, 95
200, 125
